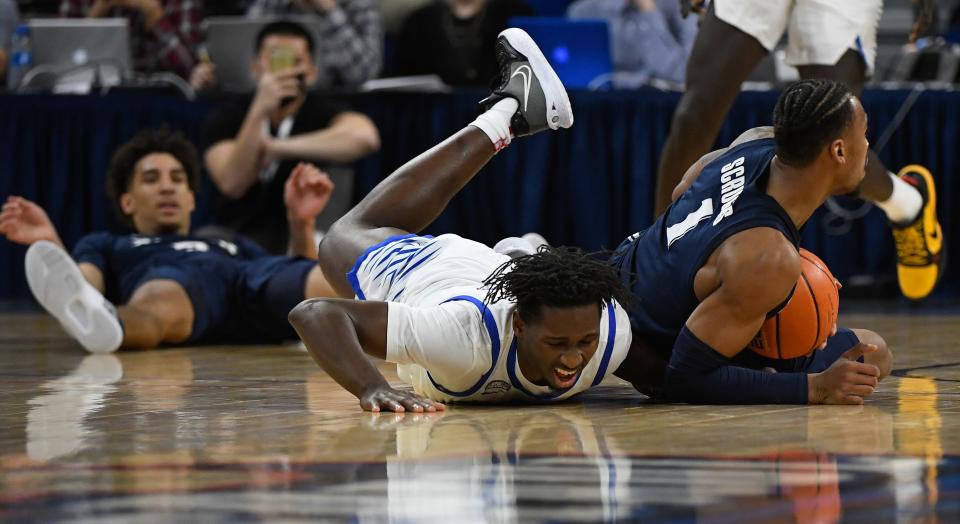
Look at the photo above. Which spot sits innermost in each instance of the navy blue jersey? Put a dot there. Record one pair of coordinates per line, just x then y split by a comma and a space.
661, 262
239, 292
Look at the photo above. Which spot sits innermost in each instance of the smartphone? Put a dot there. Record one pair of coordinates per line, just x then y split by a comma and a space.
282, 58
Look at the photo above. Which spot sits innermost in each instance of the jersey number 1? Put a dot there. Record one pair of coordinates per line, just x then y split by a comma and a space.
676, 231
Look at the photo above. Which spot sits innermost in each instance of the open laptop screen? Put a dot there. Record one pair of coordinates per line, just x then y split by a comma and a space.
74, 42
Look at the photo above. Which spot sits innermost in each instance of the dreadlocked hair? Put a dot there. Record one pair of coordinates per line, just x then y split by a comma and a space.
555, 277
810, 114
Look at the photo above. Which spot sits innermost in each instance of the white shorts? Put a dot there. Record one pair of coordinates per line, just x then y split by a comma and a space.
422, 270
819, 32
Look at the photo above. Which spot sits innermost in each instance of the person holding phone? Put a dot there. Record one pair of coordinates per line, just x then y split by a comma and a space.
253, 143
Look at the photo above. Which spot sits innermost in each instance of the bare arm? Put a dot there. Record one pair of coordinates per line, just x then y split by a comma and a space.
337, 333
234, 165
755, 270
25, 222
305, 194
349, 137
93, 275
694, 171
730, 316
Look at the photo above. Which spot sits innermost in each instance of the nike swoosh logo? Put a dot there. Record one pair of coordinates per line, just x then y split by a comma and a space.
525, 73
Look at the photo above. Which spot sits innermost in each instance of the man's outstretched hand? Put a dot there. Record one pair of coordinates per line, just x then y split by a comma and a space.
24, 222
385, 398
306, 192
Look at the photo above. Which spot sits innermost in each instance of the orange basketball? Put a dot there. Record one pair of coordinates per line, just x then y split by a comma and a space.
806, 321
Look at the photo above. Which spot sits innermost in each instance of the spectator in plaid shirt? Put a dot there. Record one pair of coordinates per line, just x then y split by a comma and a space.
253, 143
164, 34
351, 36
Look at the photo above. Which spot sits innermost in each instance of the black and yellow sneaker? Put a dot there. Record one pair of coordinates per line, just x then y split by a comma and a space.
919, 243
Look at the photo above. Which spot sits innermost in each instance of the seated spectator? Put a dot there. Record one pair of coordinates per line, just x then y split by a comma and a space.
9, 20
350, 50
164, 34
254, 143
649, 38
455, 39
171, 287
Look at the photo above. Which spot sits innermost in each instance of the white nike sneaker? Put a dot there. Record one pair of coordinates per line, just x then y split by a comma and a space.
58, 285
536, 240
514, 247
525, 75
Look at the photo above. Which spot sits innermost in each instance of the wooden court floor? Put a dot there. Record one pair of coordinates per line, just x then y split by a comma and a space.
254, 434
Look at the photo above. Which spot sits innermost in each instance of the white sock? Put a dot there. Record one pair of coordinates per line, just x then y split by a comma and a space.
904, 203
495, 122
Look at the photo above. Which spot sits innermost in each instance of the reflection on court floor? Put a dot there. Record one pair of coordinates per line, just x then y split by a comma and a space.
259, 433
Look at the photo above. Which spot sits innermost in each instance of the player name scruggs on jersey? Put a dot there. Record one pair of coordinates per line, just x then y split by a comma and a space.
731, 176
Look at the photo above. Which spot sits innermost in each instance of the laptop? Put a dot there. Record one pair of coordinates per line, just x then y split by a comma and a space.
578, 50
231, 41
65, 43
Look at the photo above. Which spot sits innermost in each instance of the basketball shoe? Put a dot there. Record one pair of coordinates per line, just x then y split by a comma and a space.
920, 247
58, 285
526, 76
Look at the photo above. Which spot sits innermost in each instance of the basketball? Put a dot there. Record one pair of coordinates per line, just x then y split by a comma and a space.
806, 321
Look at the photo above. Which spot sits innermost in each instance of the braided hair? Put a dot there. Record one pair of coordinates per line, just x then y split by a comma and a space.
808, 115
555, 277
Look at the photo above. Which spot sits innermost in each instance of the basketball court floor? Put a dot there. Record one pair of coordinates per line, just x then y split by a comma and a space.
244, 434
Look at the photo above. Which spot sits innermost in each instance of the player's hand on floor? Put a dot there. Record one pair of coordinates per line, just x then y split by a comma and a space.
398, 401
24, 222
846, 381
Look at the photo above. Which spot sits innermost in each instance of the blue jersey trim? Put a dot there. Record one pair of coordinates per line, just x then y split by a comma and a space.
512, 373
494, 333
863, 54
415, 265
352, 274
601, 370
608, 351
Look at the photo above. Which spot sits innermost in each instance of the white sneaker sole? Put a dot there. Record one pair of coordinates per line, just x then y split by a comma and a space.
58, 285
559, 111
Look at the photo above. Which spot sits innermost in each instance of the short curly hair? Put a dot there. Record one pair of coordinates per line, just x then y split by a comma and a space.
149, 141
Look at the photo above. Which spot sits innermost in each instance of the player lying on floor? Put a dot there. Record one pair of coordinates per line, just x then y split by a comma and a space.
724, 257
171, 287
463, 322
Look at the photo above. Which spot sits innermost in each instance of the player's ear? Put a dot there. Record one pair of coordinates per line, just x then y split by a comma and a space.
127, 204
838, 151
518, 325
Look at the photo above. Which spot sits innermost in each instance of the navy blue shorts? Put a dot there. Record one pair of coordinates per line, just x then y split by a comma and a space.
245, 302
816, 362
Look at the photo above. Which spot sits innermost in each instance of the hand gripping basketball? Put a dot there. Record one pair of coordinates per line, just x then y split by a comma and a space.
808, 319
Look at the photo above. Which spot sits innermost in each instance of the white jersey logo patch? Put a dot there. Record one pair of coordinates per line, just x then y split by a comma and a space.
191, 245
